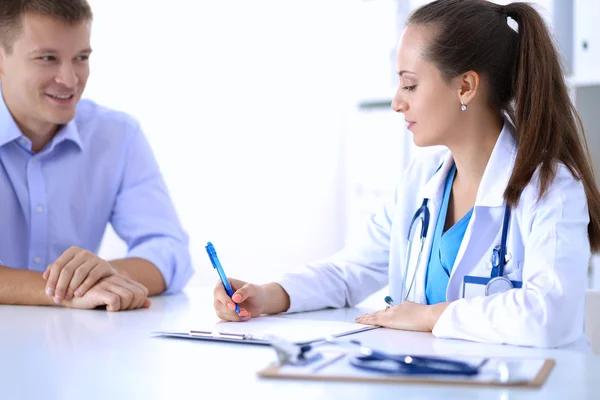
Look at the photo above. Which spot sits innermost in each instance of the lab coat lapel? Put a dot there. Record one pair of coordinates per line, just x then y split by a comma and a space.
434, 191
488, 212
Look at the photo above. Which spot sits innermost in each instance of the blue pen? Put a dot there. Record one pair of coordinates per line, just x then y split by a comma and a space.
212, 254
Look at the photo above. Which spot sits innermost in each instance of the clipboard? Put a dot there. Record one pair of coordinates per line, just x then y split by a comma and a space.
335, 366
259, 331
214, 336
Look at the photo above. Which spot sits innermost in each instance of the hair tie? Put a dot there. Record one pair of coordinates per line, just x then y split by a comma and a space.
508, 14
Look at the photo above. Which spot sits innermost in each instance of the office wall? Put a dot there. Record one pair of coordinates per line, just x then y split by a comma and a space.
244, 103
251, 108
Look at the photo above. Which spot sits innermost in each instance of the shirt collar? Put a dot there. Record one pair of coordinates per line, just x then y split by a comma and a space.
10, 131
499, 169
434, 188
68, 132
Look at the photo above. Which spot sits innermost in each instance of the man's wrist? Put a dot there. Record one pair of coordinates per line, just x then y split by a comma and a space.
117, 271
39, 295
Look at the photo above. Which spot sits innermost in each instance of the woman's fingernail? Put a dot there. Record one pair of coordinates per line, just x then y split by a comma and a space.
57, 299
78, 293
50, 291
230, 306
245, 318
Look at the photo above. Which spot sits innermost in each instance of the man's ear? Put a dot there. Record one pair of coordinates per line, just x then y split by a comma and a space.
467, 86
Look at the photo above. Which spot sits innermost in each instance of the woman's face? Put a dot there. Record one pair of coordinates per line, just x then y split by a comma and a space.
430, 105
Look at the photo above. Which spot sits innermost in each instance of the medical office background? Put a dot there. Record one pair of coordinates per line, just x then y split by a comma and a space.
270, 118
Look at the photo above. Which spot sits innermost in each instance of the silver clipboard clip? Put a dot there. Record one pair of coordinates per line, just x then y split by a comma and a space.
227, 335
216, 336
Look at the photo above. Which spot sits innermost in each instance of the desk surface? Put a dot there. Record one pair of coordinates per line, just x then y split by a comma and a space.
55, 353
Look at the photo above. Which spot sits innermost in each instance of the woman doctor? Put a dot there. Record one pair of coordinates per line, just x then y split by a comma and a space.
501, 221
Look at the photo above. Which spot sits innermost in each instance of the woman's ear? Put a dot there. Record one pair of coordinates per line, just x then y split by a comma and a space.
467, 86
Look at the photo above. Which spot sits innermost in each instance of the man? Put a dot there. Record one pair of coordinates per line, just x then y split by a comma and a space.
69, 167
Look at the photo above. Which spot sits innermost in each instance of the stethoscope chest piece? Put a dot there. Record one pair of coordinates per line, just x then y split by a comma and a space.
499, 284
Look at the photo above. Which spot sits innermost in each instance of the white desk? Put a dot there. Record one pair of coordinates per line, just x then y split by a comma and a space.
55, 353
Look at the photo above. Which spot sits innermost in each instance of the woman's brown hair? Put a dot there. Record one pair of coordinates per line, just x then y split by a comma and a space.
523, 71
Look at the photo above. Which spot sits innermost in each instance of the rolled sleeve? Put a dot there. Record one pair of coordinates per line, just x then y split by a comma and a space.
145, 218
169, 257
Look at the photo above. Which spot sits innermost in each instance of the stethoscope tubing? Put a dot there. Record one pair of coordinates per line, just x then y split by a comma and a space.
423, 214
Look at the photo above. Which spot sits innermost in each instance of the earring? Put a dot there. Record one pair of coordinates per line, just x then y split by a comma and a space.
463, 106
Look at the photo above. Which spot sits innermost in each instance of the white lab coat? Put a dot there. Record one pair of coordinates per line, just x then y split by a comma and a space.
547, 244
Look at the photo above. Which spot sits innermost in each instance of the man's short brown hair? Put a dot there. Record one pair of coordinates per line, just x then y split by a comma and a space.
12, 12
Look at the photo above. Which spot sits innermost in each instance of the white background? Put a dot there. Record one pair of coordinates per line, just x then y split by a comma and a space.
245, 105
251, 109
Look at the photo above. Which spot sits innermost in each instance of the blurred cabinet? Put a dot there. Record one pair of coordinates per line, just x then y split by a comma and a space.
377, 145
375, 142
585, 87
587, 101
586, 45
377, 149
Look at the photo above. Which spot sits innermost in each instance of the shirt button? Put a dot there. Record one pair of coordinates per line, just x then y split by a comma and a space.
37, 260
39, 209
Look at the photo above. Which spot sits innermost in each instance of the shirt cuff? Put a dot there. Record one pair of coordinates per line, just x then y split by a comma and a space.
169, 258
298, 300
445, 326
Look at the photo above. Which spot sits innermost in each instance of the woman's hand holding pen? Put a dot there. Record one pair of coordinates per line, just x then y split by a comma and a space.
250, 297
406, 316
254, 300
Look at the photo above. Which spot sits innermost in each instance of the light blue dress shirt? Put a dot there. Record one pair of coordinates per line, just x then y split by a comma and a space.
98, 169
444, 248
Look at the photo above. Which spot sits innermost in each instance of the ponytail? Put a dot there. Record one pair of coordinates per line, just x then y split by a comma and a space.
548, 126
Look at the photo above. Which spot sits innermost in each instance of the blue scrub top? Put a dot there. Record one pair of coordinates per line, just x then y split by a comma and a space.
444, 248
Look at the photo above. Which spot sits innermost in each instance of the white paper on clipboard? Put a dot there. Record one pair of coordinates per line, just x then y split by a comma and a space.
258, 330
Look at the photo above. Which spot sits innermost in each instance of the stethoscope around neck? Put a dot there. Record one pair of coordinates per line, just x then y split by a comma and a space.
497, 283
